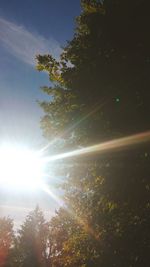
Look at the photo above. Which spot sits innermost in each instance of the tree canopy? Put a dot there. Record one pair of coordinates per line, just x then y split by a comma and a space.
100, 92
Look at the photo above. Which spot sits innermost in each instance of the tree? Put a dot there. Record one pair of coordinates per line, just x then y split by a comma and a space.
62, 227
101, 92
6, 240
32, 241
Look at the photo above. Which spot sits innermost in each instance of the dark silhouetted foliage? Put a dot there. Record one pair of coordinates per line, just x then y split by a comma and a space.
101, 92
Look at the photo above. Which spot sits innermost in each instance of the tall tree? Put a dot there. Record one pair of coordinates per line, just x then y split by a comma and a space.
101, 92
32, 241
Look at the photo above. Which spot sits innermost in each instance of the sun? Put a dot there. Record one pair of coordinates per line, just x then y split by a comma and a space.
20, 168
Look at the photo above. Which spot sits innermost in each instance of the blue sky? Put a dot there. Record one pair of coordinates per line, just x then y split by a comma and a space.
27, 28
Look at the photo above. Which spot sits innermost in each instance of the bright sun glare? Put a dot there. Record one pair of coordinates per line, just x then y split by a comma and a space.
20, 168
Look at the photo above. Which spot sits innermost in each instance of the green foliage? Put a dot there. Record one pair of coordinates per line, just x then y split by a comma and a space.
62, 227
101, 92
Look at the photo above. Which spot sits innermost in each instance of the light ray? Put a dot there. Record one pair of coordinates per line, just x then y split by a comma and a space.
96, 108
105, 146
46, 189
102, 147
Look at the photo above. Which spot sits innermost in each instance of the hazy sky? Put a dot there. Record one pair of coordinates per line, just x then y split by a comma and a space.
26, 29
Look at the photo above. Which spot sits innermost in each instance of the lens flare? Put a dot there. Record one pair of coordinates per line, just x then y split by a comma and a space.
111, 145
105, 146
24, 169
47, 190
97, 107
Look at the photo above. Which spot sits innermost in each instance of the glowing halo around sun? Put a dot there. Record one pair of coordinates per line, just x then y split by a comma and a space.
24, 169
20, 168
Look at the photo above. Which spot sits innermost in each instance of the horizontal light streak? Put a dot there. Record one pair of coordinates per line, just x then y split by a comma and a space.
105, 146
